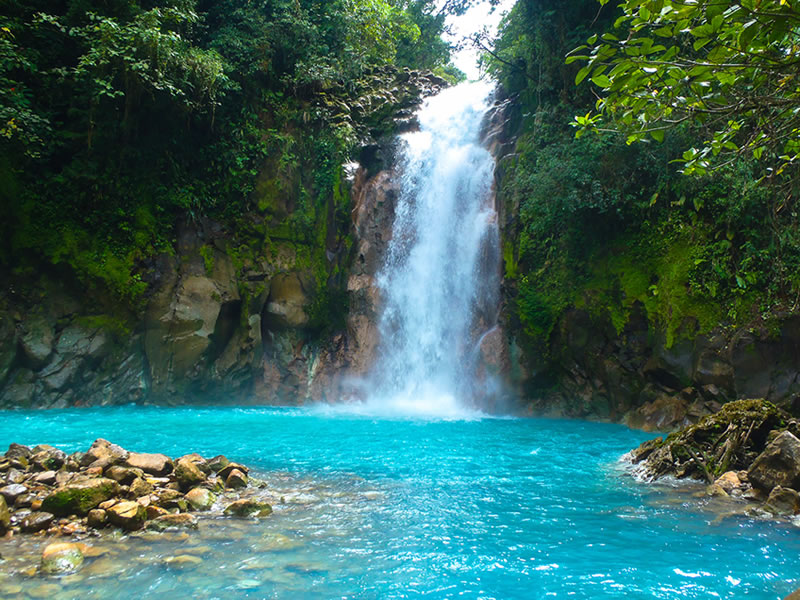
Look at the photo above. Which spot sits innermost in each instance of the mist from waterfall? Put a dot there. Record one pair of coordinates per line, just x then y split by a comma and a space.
439, 283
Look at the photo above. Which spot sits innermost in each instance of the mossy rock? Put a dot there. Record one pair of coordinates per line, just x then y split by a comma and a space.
80, 498
727, 440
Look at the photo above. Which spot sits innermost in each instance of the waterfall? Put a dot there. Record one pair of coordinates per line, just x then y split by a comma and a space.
439, 283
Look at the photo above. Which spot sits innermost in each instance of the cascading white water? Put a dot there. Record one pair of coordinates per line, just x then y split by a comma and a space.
440, 280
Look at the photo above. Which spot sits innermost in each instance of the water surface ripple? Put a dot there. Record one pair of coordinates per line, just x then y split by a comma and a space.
381, 508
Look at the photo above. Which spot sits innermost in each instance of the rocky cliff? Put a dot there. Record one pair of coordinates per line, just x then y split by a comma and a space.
250, 310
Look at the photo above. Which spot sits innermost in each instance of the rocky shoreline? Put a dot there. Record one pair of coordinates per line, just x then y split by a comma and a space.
749, 451
46, 492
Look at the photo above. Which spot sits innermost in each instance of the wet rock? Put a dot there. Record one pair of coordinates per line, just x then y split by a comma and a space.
166, 522
80, 497
123, 475
248, 507
778, 464
183, 560
200, 498
15, 476
61, 558
728, 481
16, 451
782, 501
48, 458
236, 479
37, 521
231, 466
127, 515
200, 462
153, 511
154, 464
188, 473
716, 491
5, 516
140, 488
97, 518
25, 500
218, 463
104, 452
10, 492
46, 478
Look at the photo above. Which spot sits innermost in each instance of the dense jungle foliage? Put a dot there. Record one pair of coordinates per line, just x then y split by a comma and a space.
119, 118
679, 193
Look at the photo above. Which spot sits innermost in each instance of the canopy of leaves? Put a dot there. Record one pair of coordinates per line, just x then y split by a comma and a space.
728, 68
119, 118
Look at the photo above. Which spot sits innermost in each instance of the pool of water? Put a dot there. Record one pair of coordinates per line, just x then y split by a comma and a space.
406, 508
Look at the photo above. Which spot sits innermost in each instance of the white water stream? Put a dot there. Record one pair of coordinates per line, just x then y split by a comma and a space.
440, 280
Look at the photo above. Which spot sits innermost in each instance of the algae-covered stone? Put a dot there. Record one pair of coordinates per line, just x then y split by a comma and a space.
61, 558
128, 515
249, 507
200, 498
81, 497
188, 473
5, 516
218, 463
236, 479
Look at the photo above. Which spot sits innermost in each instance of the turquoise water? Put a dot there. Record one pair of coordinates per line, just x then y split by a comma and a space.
382, 508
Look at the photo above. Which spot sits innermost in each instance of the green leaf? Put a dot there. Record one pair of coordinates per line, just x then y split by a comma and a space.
601, 81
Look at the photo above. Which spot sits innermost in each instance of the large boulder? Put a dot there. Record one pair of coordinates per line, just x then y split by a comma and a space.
782, 501
61, 558
80, 497
778, 464
154, 464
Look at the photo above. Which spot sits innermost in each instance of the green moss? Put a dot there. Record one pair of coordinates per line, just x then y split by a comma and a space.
117, 326
79, 499
207, 252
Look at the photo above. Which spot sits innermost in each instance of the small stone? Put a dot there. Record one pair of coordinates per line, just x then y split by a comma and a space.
231, 466
188, 473
48, 458
46, 478
200, 498
107, 504
183, 560
179, 521
17, 451
10, 492
37, 521
154, 464
218, 463
73, 528
236, 479
15, 476
60, 558
200, 462
123, 475
25, 500
140, 488
97, 518
5, 516
153, 512
103, 450
127, 515
728, 481
248, 507
782, 501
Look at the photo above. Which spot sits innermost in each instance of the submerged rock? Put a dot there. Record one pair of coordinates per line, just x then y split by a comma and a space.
249, 507
179, 521
61, 558
5, 516
200, 498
